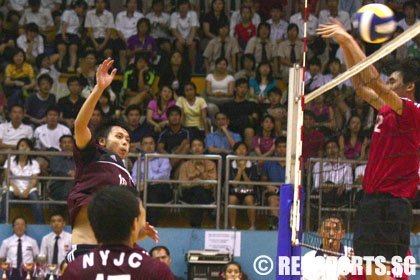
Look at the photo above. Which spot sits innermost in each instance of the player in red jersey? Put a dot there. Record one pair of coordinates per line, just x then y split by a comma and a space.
99, 162
116, 226
384, 216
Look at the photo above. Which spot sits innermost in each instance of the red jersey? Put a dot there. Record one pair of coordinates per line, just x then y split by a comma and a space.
245, 33
393, 159
96, 167
125, 262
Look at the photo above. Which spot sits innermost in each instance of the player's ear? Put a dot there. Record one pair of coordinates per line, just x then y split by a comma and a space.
102, 141
411, 87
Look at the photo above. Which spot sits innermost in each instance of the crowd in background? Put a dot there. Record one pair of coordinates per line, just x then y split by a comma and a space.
243, 50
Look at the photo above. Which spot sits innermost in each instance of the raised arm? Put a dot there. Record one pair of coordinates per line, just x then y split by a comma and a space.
368, 78
103, 79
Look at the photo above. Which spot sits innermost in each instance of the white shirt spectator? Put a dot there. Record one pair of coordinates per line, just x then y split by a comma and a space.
317, 82
99, 23
184, 25
278, 31
336, 172
18, 5
46, 138
311, 25
155, 22
236, 19
47, 245
329, 77
10, 136
158, 169
38, 48
9, 246
16, 169
127, 25
42, 18
74, 24
50, 4
342, 16
406, 26
220, 86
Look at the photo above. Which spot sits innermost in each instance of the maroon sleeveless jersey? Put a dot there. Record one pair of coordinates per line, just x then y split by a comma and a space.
96, 167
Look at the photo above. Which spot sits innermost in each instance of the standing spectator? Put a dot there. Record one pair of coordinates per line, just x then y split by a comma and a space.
31, 42
184, 27
11, 132
48, 135
36, 105
264, 81
69, 35
141, 43
194, 110
23, 165
137, 129
19, 79
245, 171
175, 73
275, 171
158, 169
222, 140
126, 25
290, 51
70, 105
278, 26
160, 21
214, 20
263, 48
197, 192
41, 16
157, 109
99, 23
236, 16
221, 46
18, 250
245, 29
55, 244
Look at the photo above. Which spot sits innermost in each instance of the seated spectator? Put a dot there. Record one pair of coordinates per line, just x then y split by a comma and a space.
7, 43
245, 29
242, 113
275, 171
142, 43
99, 24
62, 166
299, 19
36, 105
366, 113
44, 65
87, 72
41, 16
219, 87
221, 46
160, 21
263, 82
23, 165
244, 171
162, 254
137, 128
11, 132
175, 138
324, 115
233, 270
335, 173
236, 16
96, 119
175, 73
263, 144
31, 42
196, 192
247, 66
410, 9
19, 79
222, 140
70, 105
138, 80
278, 26
157, 109
277, 111
69, 34
126, 26
18, 242
158, 169
290, 51
263, 48
108, 107
184, 26
313, 141
194, 111
313, 76
414, 49
214, 20
353, 142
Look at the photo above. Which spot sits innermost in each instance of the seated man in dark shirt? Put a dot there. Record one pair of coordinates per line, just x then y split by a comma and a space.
70, 105
118, 255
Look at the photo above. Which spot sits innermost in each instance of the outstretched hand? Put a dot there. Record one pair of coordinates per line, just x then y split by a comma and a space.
149, 231
103, 78
335, 29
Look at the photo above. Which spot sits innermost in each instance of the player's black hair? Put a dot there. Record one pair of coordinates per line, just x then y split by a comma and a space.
105, 128
110, 219
158, 248
410, 71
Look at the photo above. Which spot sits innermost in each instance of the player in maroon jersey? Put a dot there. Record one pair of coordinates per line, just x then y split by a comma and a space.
118, 254
99, 162
384, 216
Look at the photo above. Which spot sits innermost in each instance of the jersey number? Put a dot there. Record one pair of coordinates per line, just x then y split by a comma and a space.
379, 121
113, 277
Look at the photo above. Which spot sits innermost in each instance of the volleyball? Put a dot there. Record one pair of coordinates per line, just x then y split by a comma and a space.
375, 23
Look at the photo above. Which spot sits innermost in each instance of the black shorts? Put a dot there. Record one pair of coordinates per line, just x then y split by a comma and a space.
73, 39
382, 227
78, 250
